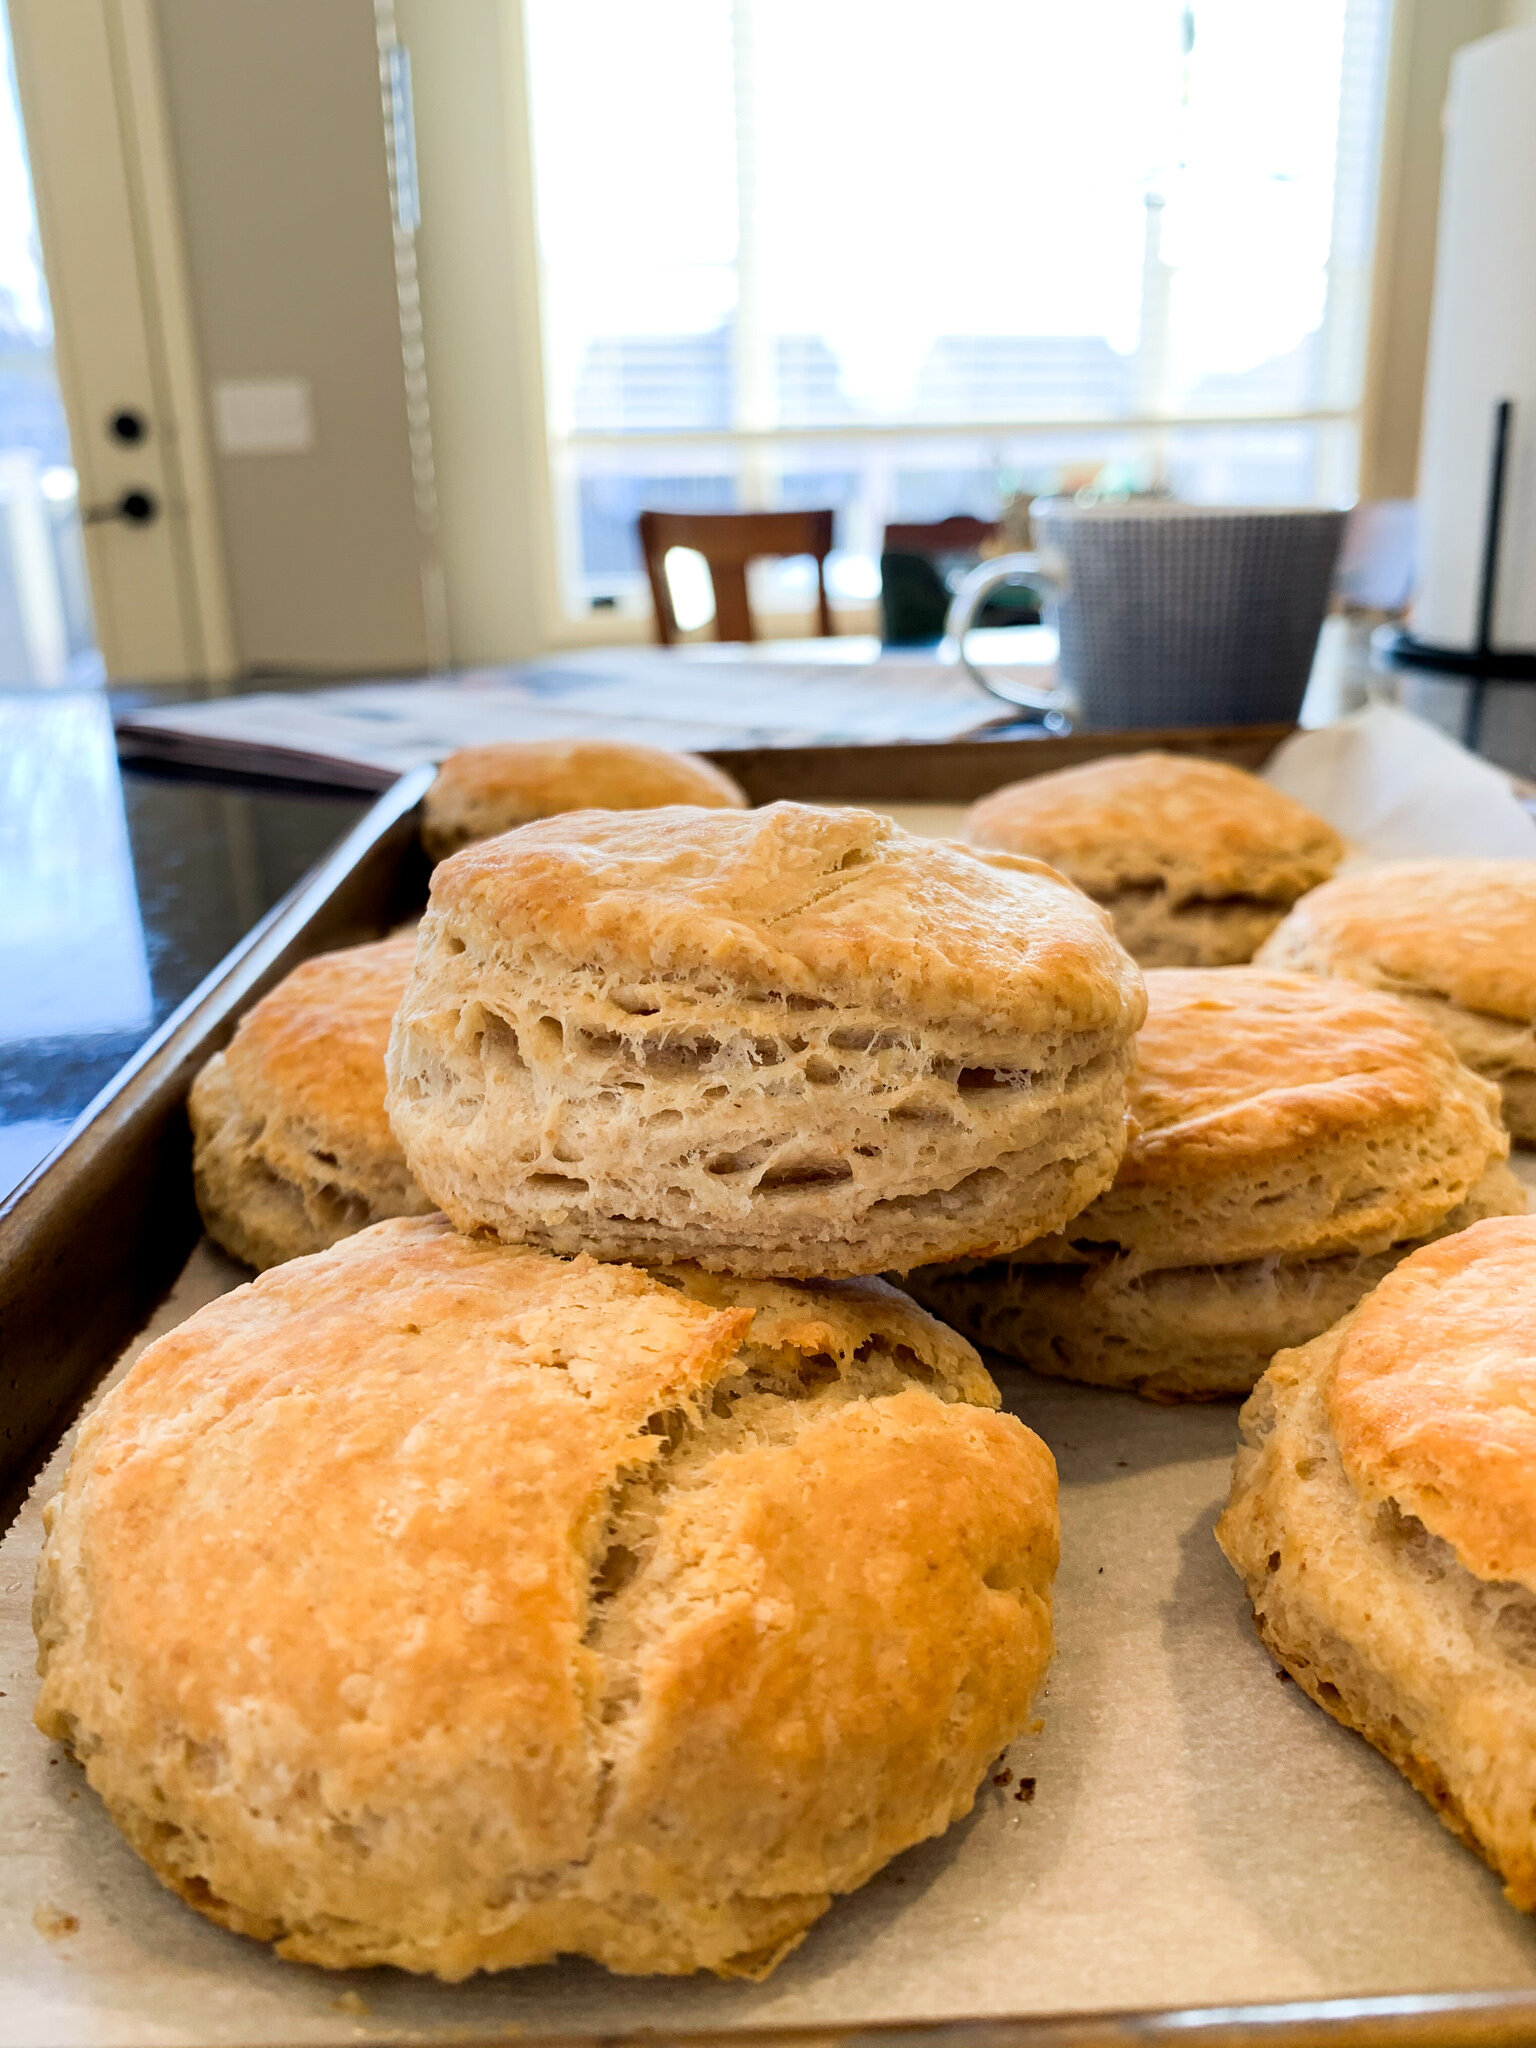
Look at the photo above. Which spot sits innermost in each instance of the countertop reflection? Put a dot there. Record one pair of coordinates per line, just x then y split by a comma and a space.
119, 890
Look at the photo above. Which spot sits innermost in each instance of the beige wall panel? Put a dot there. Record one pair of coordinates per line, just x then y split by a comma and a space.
278, 139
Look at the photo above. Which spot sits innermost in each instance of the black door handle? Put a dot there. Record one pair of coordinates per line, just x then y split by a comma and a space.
134, 508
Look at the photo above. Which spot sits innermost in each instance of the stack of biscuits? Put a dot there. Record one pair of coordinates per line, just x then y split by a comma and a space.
293, 1148
785, 1041
612, 1565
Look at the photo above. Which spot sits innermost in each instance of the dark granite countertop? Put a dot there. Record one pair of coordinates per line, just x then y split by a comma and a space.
119, 890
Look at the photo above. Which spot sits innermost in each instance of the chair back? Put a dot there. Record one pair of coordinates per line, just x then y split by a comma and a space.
728, 541
958, 535
914, 597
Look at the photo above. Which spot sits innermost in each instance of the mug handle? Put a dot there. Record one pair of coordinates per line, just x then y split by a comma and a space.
971, 593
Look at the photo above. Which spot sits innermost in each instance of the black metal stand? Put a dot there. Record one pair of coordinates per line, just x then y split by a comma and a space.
1483, 663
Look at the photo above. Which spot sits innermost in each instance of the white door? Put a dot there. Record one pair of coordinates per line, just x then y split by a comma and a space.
91, 105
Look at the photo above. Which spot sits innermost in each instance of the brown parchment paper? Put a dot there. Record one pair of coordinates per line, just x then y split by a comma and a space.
1199, 1833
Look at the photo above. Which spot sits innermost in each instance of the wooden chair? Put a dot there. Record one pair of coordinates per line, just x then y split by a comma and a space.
728, 541
958, 535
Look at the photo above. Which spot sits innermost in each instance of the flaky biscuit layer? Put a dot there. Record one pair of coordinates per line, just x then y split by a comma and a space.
792, 1041
1195, 829
1464, 930
1276, 1115
1195, 861
1433, 1396
1455, 938
1182, 1333
1198, 933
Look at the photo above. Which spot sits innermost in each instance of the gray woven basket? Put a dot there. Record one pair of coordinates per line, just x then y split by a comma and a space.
1189, 614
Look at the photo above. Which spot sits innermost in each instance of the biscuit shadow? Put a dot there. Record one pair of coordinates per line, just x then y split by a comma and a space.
1311, 1833
575, 1994
1021, 1830
133, 1933
1100, 1434
895, 1916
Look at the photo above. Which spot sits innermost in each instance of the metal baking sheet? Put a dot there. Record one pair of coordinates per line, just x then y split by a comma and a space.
1196, 1841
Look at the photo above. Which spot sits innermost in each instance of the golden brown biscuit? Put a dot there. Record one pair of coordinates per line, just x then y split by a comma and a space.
789, 1040
1383, 1520
292, 1145
1195, 861
1294, 1139
480, 791
435, 1603
1456, 938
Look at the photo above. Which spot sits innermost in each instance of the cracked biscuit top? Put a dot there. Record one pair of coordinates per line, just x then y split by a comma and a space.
820, 905
1200, 830
454, 1606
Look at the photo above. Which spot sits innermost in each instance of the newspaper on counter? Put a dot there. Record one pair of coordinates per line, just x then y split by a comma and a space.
370, 732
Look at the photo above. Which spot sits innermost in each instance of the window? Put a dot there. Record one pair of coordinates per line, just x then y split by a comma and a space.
907, 260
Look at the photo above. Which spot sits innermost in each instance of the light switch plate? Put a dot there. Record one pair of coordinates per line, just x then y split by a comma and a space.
263, 416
